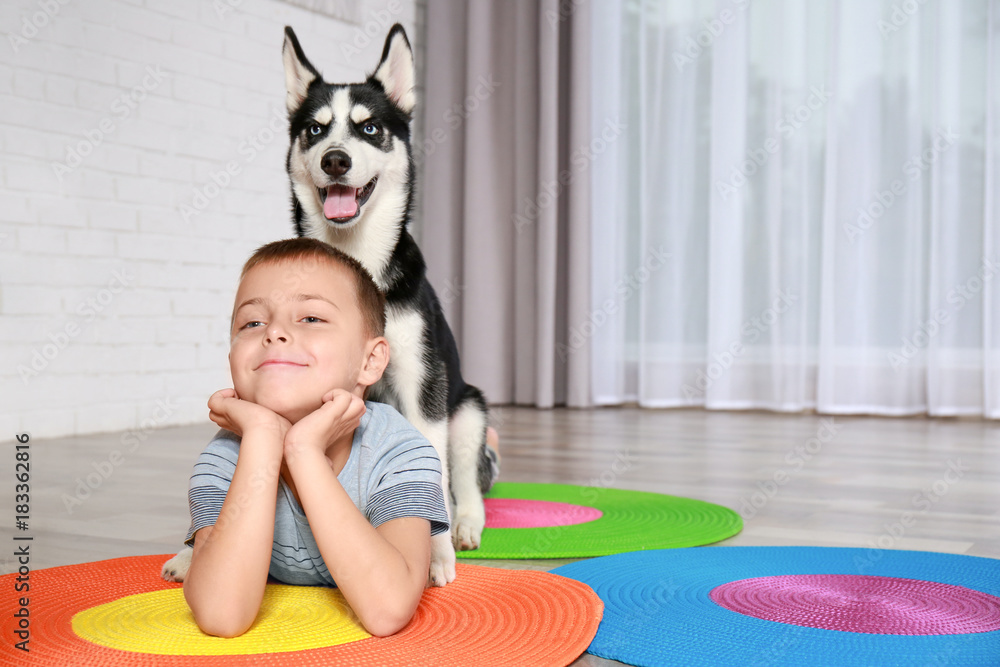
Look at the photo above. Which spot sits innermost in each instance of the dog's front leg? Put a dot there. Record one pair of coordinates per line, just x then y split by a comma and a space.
467, 435
442, 571
176, 568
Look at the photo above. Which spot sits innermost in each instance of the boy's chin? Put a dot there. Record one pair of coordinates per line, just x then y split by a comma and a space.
292, 413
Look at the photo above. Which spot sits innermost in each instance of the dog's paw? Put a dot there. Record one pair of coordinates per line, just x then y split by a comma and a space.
467, 527
176, 568
442, 570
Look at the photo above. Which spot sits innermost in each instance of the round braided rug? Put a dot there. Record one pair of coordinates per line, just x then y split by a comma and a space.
795, 606
566, 521
119, 612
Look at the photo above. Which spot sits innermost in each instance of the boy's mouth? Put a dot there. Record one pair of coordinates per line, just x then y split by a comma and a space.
342, 203
279, 362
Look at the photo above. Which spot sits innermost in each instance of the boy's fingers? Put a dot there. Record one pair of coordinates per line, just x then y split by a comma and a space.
355, 410
345, 406
358, 404
342, 400
221, 395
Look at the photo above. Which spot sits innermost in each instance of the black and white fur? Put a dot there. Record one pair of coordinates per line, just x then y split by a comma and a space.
358, 136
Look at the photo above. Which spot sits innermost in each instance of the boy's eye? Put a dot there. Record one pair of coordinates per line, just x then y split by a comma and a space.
307, 319
250, 325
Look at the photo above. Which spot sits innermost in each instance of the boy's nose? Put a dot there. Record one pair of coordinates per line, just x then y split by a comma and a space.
276, 334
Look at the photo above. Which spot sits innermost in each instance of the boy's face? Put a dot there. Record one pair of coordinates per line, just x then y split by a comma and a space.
297, 333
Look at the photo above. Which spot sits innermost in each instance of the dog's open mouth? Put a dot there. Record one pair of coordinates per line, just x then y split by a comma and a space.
342, 203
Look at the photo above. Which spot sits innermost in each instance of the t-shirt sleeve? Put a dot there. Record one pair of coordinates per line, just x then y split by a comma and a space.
406, 482
210, 480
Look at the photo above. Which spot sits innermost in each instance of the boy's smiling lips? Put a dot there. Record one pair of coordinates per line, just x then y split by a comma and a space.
271, 363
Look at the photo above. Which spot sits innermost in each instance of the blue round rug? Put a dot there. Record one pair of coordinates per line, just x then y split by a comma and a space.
794, 606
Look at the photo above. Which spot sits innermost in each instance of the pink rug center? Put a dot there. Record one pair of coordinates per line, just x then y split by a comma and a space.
516, 513
854, 603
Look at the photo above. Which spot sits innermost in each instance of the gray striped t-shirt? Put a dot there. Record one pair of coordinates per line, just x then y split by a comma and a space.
392, 472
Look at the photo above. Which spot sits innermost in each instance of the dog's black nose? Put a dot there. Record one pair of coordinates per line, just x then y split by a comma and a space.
336, 163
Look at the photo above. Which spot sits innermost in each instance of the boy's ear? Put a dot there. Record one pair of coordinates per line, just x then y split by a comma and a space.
395, 71
376, 359
299, 72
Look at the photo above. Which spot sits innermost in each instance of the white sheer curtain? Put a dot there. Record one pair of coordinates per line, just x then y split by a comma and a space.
822, 177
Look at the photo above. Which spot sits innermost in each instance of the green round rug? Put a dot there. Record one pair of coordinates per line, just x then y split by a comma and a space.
567, 521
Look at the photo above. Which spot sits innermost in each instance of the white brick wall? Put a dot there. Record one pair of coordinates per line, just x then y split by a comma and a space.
112, 303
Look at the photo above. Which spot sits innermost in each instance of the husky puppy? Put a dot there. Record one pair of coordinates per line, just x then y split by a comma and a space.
352, 178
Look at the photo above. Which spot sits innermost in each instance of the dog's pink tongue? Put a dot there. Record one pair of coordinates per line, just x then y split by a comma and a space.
340, 202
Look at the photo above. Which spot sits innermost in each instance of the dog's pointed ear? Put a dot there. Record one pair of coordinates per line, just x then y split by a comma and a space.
395, 70
299, 72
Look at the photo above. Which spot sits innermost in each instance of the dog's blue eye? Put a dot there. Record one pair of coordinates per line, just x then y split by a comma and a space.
315, 129
371, 129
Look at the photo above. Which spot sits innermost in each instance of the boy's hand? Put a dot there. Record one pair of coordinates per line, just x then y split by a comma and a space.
234, 414
339, 415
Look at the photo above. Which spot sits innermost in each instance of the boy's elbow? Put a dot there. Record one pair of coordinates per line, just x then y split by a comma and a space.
388, 621
218, 620
222, 625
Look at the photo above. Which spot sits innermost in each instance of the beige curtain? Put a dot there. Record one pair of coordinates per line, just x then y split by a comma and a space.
505, 206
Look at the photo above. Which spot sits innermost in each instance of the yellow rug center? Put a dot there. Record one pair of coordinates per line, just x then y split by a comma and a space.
291, 618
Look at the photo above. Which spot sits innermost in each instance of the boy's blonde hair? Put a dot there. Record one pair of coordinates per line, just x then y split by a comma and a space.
370, 299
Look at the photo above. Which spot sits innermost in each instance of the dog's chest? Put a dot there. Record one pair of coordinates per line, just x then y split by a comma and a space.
404, 329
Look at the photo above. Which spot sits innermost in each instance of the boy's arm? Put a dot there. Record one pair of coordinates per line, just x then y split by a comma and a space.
381, 571
225, 584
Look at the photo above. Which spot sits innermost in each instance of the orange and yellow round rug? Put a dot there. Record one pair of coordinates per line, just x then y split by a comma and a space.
119, 612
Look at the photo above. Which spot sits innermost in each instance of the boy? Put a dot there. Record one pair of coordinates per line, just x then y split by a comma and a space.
322, 488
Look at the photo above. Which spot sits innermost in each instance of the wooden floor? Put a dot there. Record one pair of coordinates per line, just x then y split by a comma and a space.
796, 479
